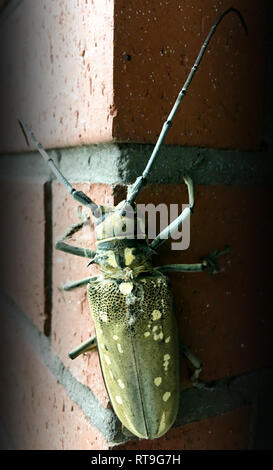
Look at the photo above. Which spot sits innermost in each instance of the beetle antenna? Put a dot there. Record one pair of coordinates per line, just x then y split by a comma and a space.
78, 195
142, 180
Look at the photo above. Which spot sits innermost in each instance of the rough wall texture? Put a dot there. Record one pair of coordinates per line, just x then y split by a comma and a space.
57, 62
156, 45
104, 70
48, 401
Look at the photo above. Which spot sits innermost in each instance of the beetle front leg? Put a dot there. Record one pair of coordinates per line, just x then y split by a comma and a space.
74, 250
173, 227
88, 345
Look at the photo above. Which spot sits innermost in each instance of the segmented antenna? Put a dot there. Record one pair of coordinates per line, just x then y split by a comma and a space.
78, 195
141, 180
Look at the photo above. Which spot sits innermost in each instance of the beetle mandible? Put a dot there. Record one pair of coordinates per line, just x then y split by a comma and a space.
131, 301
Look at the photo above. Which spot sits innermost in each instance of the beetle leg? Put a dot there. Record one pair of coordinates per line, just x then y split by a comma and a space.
173, 227
88, 345
74, 250
197, 364
189, 268
210, 263
79, 283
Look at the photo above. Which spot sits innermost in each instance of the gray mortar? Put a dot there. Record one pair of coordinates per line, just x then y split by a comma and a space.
123, 163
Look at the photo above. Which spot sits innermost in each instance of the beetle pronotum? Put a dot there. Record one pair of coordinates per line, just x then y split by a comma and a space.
131, 301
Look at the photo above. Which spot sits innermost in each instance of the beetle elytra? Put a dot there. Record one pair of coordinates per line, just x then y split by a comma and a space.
131, 301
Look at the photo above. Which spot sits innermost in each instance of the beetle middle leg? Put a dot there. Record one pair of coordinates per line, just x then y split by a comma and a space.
208, 263
75, 250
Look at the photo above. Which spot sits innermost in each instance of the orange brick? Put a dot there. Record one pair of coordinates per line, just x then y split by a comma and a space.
63, 54
162, 40
36, 410
117, 76
225, 432
23, 240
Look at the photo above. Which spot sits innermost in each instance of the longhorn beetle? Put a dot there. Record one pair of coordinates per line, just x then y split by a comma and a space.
131, 301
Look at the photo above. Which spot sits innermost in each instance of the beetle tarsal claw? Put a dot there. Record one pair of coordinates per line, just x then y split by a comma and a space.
210, 262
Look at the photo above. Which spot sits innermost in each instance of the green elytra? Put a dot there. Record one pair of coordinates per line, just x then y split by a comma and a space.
131, 301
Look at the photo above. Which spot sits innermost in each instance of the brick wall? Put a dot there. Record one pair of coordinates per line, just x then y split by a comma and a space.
96, 80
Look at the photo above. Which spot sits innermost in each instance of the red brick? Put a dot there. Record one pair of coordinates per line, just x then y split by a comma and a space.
63, 54
23, 245
72, 321
163, 40
225, 319
224, 432
36, 410
77, 85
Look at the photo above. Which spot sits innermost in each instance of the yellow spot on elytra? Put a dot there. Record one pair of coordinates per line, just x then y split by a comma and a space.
166, 396
166, 360
156, 315
128, 256
162, 423
121, 384
146, 334
119, 399
157, 381
126, 287
111, 259
115, 337
158, 335
167, 340
119, 348
103, 316
107, 359
111, 375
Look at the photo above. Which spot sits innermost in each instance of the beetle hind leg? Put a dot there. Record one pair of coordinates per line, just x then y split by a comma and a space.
197, 364
87, 346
